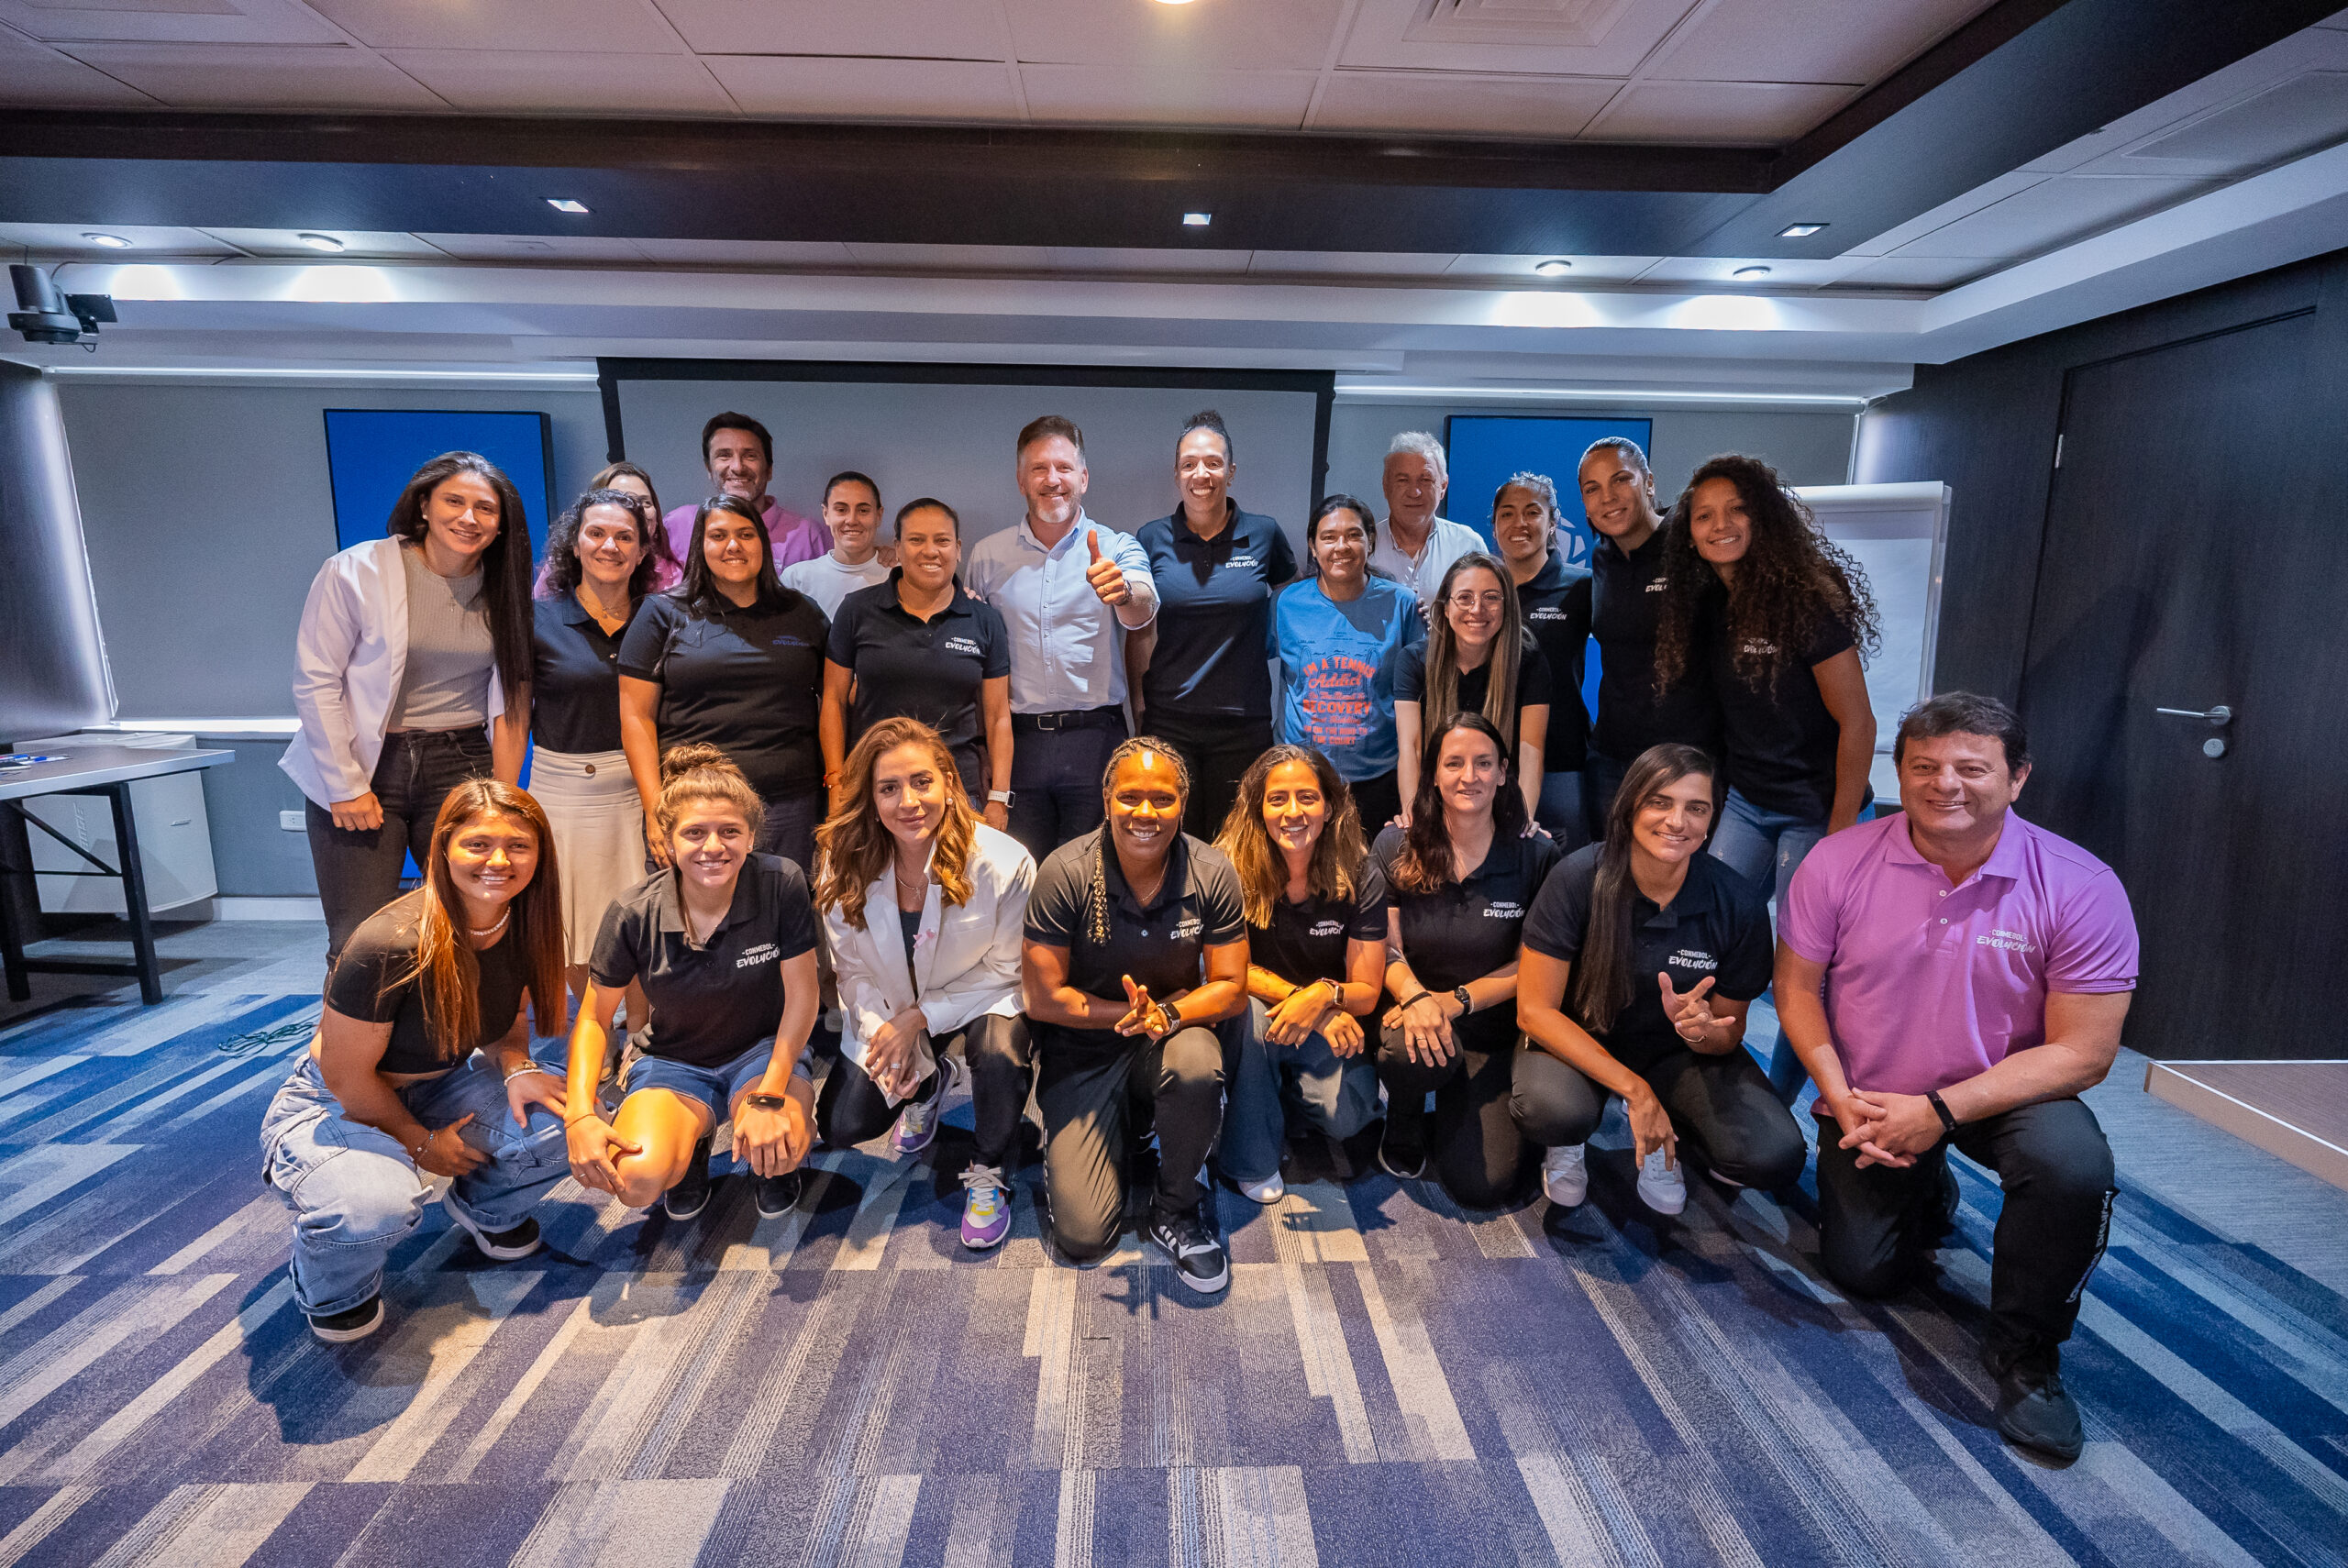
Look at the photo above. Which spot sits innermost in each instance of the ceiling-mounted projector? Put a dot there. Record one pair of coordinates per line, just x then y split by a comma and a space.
44, 316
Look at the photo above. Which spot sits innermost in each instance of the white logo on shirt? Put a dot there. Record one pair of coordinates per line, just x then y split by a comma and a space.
764, 953
2009, 941
1689, 958
1547, 613
1503, 909
1655, 586
960, 645
1190, 927
1239, 561
1328, 928
1759, 646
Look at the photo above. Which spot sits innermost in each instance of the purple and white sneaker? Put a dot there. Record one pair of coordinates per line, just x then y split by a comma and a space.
986, 1208
916, 1126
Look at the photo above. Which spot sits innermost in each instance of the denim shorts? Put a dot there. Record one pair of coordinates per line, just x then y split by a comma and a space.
713, 1086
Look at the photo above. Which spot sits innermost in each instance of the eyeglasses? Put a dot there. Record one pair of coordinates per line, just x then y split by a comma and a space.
1471, 600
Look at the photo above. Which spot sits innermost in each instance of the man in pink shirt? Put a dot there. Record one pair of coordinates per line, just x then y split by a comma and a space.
739, 455
1953, 974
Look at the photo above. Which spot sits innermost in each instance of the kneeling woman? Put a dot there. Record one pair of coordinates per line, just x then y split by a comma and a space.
724, 943
1316, 946
1641, 957
943, 973
1458, 882
421, 1067
1136, 947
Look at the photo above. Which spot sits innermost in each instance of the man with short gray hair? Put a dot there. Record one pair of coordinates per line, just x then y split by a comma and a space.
1416, 546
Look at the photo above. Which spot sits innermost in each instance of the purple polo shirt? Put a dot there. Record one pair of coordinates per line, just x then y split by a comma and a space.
1929, 984
790, 536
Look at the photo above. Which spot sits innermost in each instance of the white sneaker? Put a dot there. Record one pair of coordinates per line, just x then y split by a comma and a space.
1271, 1189
1663, 1188
1565, 1176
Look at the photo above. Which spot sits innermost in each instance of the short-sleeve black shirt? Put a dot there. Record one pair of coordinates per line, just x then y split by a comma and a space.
1463, 931
747, 681
1781, 739
1215, 614
1717, 926
365, 985
1626, 604
708, 1004
1307, 942
1533, 687
574, 677
1162, 946
1554, 603
933, 670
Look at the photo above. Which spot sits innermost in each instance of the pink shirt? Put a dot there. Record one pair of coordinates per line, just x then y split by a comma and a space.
1929, 984
791, 537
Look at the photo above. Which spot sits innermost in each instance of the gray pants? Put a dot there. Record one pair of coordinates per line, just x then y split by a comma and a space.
358, 871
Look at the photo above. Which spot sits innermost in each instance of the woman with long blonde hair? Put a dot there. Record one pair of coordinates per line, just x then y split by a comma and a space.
922, 905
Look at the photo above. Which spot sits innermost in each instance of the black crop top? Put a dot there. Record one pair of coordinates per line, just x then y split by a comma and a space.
381, 950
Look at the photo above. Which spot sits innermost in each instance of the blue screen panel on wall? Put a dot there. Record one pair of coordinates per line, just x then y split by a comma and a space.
372, 453
1484, 449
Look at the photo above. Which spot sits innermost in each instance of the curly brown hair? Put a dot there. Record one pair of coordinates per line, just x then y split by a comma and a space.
854, 846
1792, 580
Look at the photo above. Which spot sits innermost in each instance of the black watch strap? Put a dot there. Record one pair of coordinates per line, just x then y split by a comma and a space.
762, 1101
1467, 1002
1939, 1108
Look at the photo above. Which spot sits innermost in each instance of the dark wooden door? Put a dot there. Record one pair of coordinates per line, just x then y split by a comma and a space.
2195, 556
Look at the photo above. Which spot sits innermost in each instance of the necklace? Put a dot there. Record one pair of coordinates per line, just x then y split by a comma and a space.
592, 601
493, 930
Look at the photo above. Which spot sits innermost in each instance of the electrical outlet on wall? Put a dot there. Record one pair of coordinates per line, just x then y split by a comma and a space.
290, 821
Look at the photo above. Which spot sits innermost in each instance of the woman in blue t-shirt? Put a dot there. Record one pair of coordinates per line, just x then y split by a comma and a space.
1338, 636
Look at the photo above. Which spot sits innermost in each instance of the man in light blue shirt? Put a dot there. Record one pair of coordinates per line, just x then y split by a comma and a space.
1068, 590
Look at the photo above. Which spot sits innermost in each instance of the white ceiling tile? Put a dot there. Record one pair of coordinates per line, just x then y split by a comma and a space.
1449, 103
511, 82
32, 77
169, 21
747, 252
2076, 152
54, 238
232, 76
955, 258
1108, 258
525, 247
1762, 113
1784, 273
588, 25
1262, 34
1985, 194
1134, 94
1345, 263
2287, 119
966, 29
2050, 213
1586, 268
811, 88
1568, 37
1858, 41
356, 243
1916, 272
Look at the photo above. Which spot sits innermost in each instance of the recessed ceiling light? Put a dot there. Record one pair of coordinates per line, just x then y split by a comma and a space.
1173, 2
320, 241
565, 205
1197, 220
111, 241
1800, 230
1750, 272
1552, 268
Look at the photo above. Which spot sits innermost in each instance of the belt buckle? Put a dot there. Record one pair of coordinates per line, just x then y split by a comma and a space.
1051, 721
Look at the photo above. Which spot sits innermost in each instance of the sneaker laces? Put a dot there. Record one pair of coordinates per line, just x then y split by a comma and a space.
983, 1186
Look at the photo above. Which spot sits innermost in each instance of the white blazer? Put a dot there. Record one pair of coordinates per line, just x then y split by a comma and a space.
348, 659
966, 959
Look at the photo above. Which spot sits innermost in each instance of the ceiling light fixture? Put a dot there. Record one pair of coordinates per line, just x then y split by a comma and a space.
111, 241
1554, 267
1750, 272
565, 205
1800, 230
320, 241
1197, 220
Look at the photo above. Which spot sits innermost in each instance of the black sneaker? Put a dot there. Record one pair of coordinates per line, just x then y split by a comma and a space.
519, 1242
780, 1194
2034, 1410
1199, 1260
691, 1195
1402, 1151
341, 1328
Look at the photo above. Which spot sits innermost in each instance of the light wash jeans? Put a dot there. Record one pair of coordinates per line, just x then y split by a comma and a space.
1766, 848
1339, 1095
355, 1193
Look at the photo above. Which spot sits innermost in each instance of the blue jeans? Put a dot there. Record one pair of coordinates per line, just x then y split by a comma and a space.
716, 1088
787, 829
355, 1193
1766, 848
1601, 776
1561, 809
1339, 1095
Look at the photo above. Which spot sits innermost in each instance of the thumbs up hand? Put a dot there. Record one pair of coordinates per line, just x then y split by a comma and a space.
1107, 582
1689, 1013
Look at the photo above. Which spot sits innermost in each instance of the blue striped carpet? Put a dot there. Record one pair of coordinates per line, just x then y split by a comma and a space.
1388, 1380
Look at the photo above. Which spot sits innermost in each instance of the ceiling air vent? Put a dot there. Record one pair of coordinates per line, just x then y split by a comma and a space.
1557, 23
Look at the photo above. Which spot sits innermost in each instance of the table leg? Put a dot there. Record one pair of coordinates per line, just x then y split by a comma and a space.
134, 895
17, 895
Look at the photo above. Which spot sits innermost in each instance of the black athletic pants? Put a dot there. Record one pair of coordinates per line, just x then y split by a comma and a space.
1100, 1106
1724, 1112
852, 1108
1473, 1148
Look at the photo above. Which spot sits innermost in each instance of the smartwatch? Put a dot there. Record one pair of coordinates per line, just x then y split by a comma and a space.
1466, 1004
763, 1101
1939, 1108
998, 798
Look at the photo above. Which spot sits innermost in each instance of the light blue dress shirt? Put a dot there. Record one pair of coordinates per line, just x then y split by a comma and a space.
1068, 650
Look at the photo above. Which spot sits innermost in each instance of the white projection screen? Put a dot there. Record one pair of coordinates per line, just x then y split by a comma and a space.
948, 431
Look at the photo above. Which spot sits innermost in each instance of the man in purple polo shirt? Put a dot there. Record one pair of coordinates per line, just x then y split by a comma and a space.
739, 455
1974, 971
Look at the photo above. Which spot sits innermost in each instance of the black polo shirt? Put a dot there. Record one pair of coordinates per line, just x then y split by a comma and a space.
1162, 946
748, 681
1626, 604
1463, 931
371, 982
708, 1004
574, 677
1533, 688
1554, 603
1215, 614
1307, 942
1780, 738
932, 670
1717, 926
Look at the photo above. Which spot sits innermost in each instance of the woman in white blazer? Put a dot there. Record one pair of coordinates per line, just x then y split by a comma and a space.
409, 645
923, 905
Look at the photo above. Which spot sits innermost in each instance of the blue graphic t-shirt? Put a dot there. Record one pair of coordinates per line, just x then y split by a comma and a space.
1337, 670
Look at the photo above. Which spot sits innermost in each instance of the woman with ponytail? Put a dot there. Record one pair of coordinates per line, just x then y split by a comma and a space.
1642, 956
421, 1065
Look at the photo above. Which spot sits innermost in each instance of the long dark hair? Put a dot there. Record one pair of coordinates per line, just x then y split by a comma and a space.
700, 587
563, 570
854, 846
1424, 864
444, 968
504, 566
1511, 644
1263, 870
1602, 979
1792, 580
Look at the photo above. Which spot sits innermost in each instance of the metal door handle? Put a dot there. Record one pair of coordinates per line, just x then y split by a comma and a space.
2222, 714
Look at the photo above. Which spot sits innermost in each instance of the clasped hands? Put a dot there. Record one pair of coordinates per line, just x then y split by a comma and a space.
1304, 1012
1425, 1022
1888, 1130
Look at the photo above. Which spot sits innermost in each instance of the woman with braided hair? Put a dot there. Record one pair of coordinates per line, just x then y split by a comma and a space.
1134, 967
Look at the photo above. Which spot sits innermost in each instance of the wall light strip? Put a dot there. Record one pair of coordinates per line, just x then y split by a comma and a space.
576, 378
1628, 395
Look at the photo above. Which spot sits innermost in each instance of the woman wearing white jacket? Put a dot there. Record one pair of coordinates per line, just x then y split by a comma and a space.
923, 905
409, 645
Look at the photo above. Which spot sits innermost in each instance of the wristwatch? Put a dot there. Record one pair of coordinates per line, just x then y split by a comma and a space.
1941, 1110
1466, 1003
766, 1102
998, 798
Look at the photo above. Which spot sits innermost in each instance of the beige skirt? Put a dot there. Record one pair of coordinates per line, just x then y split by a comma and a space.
590, 802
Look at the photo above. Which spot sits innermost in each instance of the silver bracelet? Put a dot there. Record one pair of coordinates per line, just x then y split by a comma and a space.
525, 1072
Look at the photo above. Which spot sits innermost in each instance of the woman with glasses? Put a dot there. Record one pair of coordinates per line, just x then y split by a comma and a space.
1478, 659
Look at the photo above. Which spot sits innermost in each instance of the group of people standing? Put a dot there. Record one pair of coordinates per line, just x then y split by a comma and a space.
1189, 850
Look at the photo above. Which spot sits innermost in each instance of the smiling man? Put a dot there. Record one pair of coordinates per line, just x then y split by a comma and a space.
1976, 970
738, 452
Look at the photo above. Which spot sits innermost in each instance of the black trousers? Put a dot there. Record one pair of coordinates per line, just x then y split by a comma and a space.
1099, 1106
358, 871
1217, 748
1056, 779
1875, 1225
852, 1108
1473, 1146
1722, 1110
1377, 801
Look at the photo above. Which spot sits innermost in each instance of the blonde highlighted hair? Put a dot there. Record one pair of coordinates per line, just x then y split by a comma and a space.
1247, 844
